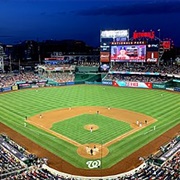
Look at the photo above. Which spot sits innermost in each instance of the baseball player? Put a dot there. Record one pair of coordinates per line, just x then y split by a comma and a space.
25, 124
137, 122
91, 151
91, 129
140, 124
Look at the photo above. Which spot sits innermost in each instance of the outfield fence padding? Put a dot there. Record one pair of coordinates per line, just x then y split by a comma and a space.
147, 85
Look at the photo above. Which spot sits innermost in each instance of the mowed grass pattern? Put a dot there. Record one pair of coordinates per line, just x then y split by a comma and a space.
108, 128
165, 109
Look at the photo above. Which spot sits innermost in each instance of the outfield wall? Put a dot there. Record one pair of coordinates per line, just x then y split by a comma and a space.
117, 83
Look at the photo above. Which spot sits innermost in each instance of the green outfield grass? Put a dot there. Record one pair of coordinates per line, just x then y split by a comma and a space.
14, 106
108, 128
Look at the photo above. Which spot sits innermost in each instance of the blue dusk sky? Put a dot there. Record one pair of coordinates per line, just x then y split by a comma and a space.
83, 19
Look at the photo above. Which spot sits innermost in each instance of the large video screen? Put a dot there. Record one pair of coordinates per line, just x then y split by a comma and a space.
128, 53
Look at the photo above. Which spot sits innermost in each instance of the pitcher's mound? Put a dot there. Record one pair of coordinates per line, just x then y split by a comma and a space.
91, 126
92, 151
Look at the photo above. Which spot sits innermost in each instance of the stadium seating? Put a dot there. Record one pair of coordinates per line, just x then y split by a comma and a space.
7, 80
13, 168
153, 68
137, 78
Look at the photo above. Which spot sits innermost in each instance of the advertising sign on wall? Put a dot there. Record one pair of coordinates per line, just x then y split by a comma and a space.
133, 84
104, 67
41, 84
150, 35
4, 89
22, 86
60, 58
114, 33
14, 88
104, 48
177, 89
104, 56
107, 83
140, 73
166, 44
159, 86
69, 83
153, 45
152, 56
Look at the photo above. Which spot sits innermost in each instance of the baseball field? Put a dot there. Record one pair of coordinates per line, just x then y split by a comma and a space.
71, 121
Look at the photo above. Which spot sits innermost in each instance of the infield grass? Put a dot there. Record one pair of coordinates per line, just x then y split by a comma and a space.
74, 128
14, 106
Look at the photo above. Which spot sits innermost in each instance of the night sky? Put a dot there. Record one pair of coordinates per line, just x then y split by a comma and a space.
83, 19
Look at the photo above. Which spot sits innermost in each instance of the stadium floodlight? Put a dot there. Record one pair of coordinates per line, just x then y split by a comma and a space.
114, 33
159, 30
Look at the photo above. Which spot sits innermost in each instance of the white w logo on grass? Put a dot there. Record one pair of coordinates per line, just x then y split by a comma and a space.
93, 164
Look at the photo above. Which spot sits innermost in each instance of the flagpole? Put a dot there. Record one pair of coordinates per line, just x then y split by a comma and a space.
159, 36
159, 30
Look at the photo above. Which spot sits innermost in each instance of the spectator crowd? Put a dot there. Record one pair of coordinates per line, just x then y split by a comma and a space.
137, 78
60, 77
7, 80
168, 169
66, 73
141, 72
152, 68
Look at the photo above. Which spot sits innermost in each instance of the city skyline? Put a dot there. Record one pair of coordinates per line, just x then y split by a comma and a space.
82, 20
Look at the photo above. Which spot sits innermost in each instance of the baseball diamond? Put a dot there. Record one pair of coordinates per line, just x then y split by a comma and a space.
50, 118
71, 129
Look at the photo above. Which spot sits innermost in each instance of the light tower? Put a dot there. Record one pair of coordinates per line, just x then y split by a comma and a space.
1, 59
161, 49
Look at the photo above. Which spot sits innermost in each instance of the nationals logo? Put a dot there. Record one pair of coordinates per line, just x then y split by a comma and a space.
93, 164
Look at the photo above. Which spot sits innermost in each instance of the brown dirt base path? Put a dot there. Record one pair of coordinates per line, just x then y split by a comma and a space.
45, 121
50, 117
57, 163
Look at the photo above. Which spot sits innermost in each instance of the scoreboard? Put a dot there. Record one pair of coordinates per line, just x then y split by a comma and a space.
106, 38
